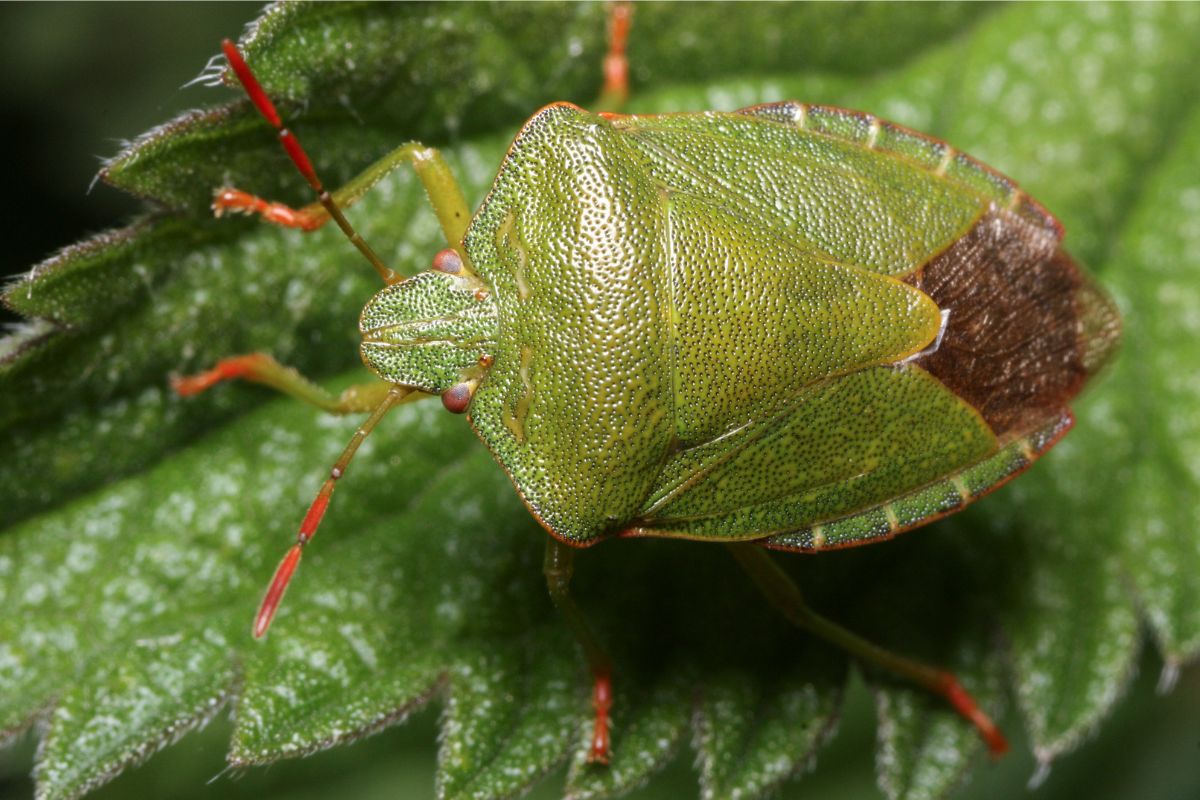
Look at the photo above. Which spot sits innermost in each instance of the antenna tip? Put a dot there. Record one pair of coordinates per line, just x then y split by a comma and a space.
279, 584
232, 54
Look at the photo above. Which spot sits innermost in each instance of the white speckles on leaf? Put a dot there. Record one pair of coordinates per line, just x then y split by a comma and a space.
138, 595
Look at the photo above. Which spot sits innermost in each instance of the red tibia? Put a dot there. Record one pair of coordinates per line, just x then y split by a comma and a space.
226, 369
270, 603
602, 702
965, 704
250, 84
237, 201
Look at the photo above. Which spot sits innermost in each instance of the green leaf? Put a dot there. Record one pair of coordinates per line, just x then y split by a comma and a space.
653, 711
753, 732
139, 528
1160, 290
924, 750
1086, 69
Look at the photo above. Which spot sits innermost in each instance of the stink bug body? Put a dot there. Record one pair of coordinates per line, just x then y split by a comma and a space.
791, 326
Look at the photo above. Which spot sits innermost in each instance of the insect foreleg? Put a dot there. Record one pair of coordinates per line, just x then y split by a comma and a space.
443, 190
782, 592
262, 368
558, 566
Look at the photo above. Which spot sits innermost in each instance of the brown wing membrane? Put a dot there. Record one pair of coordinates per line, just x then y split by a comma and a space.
1026, 326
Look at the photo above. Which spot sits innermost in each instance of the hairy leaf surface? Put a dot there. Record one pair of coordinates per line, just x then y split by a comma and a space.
139, 529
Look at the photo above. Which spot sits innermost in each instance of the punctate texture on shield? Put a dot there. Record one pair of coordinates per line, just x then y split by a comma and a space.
793, 323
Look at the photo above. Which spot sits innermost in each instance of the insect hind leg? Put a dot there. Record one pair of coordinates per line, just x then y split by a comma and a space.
558, 567
782, 592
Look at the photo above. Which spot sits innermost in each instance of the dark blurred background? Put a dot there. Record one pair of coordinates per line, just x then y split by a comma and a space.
75, 79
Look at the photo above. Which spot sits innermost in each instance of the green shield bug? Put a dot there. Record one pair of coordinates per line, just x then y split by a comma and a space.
789, 327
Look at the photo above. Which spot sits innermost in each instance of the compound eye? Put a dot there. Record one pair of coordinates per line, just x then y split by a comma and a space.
457, 398
448, 261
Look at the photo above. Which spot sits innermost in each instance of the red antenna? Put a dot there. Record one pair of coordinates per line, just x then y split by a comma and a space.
252, 366
312, 519
240, 201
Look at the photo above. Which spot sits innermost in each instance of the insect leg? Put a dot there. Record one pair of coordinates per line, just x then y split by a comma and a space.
783, 593
616, 66
312, 519
445, 195
262, 368
444, 192
558, 566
